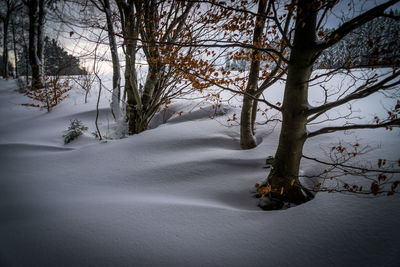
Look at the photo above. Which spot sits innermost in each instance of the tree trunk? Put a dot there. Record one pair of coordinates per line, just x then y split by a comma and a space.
5, 46
134, 104
254, 113
295, 104
130, 28
132, 113
247, 140
40, 38
150, 85
35, 63
116, 92
26, 63
15, 49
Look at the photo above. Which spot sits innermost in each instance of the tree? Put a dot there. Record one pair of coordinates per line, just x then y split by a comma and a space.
282, 184
152, 34
56, 60
14, 36
36, 13
10, 67
105, 7
7, 8
264, 54
153, 27
246, 123
20, 32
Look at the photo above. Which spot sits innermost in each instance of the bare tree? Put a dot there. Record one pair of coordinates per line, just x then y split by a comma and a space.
7, 8
105, 7
14, 36
151, 27
36, 13
256, 85
232, 25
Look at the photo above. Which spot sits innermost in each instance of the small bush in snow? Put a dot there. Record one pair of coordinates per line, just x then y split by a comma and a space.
53, 92
75, 129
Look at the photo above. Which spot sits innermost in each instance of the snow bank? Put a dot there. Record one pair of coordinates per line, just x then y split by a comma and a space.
176, 195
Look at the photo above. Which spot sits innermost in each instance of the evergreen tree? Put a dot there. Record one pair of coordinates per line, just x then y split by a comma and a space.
56, 60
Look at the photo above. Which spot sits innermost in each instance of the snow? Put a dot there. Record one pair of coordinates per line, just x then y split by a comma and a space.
179, 194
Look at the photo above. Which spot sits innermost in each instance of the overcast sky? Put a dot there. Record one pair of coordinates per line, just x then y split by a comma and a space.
343, 11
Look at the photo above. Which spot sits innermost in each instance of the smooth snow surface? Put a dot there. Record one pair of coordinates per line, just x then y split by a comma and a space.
176, 195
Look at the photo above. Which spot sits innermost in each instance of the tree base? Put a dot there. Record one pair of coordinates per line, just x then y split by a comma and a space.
249, 143
267, 203
294, 197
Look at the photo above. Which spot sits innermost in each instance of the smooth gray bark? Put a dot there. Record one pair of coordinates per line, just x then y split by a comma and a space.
294, 109
116, 91
15, 48
249, 107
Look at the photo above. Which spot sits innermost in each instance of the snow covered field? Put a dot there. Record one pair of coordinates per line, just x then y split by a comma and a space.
176, 195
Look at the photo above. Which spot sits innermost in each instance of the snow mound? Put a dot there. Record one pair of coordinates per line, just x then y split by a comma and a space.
176, 195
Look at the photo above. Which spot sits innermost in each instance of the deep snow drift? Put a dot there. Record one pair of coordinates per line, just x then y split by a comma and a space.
176, 195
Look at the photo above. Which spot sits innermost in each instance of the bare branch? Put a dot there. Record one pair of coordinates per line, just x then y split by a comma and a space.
360, 92
391, 16
332, 129
223, 6
336, 164
354, 23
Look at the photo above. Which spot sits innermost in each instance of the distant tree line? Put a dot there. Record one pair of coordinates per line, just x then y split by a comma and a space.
23, 35
375, 44
56, 60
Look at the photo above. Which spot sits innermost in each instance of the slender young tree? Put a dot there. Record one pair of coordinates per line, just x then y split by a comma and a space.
233, 24
105, 7
14, 36
257, 84
246, 119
